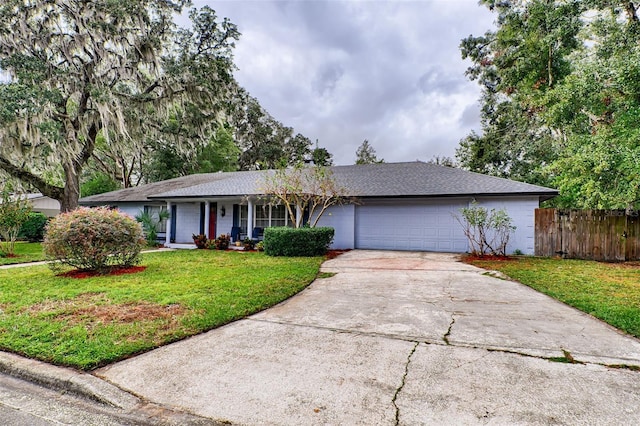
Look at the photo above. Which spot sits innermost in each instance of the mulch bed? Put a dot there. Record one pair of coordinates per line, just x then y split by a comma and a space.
488, 257
115, 271
332, 254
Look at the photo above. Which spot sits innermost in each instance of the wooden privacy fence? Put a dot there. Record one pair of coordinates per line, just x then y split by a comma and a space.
608, 235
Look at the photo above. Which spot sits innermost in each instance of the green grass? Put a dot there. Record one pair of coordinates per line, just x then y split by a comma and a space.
608, 291
87, 323
25, 252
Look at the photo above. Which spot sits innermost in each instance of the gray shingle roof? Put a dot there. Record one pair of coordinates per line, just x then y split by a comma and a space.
426, 179
143, 192
413, 179
224, 184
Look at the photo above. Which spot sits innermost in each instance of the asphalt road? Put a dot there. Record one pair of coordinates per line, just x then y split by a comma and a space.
23, 403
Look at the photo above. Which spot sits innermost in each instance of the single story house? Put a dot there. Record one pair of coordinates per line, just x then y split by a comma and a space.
43, 204
397, 206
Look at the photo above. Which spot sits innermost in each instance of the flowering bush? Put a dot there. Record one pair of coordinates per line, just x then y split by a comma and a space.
93, 240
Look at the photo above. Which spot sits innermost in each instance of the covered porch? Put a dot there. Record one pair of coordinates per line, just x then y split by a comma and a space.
239, 217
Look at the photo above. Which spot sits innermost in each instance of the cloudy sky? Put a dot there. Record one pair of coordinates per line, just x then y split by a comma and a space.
344, 71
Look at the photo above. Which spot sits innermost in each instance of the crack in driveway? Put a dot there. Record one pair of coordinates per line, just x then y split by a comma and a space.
444, 341
445, 338
402, 383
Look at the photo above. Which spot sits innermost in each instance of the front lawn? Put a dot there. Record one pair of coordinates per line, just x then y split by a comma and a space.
25, 252
91, 322
609, 291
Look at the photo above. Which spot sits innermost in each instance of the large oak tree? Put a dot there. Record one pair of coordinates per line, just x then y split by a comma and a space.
77, 72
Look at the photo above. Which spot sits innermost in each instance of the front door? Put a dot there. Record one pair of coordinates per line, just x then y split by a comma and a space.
213, 214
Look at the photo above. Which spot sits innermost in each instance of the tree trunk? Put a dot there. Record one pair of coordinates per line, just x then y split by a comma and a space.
69, 200
71, 191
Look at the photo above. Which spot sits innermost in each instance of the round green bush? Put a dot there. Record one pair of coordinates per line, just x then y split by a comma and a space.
33, 229
98, 239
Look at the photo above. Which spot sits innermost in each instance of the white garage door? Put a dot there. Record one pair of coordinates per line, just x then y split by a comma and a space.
410, 225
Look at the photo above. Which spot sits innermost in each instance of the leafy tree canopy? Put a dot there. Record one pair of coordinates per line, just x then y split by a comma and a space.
98, 183
321, 157
561, 99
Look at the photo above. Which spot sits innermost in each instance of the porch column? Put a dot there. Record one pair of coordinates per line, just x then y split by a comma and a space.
207, 216
167, 238
250, 218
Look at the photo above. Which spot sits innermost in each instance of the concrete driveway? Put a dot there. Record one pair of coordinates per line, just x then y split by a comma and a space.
400, 338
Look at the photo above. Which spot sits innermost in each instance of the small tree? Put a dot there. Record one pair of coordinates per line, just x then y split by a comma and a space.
14, 212
502, 227
365, 154
314, 189
486, 230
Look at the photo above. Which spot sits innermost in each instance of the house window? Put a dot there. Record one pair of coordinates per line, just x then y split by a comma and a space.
244, 213
279, 216
264, 216
154, 212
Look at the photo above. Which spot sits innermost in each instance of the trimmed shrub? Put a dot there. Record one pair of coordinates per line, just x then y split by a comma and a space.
97, 239
284, 241
33, 229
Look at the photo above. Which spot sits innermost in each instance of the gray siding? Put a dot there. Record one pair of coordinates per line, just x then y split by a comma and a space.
341, 218
132, 209
187, 222
224, 224
392, 224
521, 210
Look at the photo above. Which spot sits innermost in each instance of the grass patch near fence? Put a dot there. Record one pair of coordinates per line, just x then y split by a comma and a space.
25, 252
87, 323
609, 291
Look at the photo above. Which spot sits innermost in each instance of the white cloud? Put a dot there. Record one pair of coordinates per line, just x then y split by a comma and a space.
345, 71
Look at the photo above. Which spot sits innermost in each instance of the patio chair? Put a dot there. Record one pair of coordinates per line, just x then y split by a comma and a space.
258, 233
235, 233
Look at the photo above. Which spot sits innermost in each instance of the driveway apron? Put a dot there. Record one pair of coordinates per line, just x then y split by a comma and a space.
400, 338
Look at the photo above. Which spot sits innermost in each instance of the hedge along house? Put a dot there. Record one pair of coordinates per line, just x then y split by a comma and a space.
396, 206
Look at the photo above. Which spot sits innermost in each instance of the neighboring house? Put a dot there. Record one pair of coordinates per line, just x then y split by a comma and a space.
399, 206
43, 204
